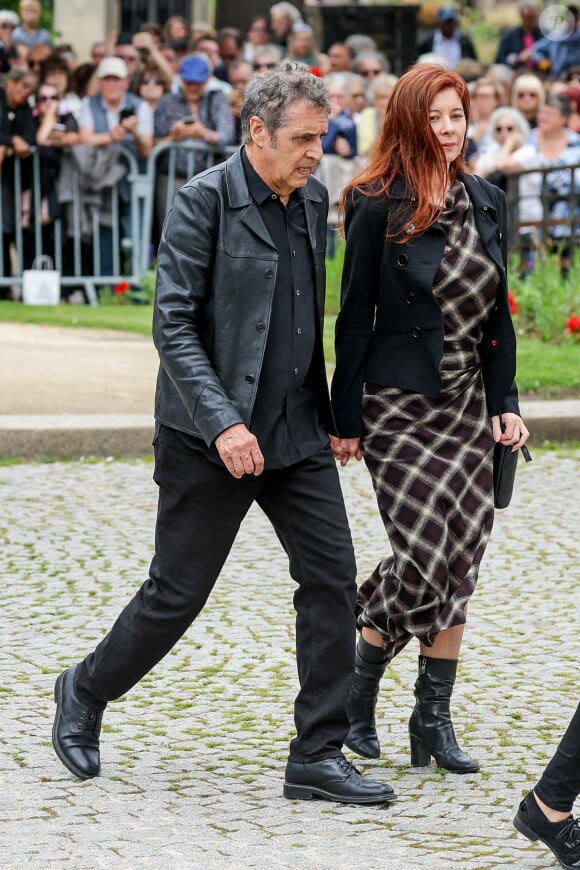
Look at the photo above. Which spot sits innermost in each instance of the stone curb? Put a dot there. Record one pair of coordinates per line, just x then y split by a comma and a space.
75, 435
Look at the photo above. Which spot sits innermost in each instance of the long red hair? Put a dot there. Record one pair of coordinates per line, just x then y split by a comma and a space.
408, 148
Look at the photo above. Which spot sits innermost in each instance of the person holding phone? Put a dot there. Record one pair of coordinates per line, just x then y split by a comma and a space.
113, 119
114, 115
196, 113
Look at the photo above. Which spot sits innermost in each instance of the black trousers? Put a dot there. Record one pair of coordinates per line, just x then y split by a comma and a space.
201, 507
559, 785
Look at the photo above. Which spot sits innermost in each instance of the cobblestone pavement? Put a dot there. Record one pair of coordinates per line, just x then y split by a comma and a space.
193, 757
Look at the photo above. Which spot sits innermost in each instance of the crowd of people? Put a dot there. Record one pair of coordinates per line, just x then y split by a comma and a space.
176, 83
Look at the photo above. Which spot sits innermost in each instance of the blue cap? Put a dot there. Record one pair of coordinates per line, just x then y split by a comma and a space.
447, 13
194, 68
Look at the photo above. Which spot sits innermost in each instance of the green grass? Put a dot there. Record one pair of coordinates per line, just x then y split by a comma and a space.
127, 318
544, 370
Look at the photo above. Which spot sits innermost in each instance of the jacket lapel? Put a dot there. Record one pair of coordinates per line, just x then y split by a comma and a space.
484, 211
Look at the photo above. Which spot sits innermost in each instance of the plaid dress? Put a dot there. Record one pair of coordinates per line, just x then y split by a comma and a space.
430, 459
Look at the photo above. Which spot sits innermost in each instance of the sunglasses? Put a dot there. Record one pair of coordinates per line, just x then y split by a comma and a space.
9, 26
365, 73
44, 98
507, 128
258, 66
147, 80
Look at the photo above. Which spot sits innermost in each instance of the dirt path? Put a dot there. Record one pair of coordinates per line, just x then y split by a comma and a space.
53, 370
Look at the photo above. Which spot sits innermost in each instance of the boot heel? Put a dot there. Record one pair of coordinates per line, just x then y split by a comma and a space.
297, 792
420, 754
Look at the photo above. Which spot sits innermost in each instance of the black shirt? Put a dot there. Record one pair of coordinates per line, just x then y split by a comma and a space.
285, 418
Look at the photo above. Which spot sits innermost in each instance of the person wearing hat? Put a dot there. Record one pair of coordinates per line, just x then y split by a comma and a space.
447, 41
516, 45
114, 118
8, 22
101, 122
196, 113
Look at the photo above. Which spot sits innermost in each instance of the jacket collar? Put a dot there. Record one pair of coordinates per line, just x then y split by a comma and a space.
239, 196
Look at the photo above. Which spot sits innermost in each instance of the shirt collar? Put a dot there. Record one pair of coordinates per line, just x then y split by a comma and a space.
258, 188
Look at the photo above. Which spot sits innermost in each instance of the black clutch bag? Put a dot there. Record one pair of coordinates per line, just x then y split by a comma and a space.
505, 462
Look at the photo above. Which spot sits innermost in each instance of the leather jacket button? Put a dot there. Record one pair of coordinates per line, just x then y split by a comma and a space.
260, 327
268, 273
402, 260
249, 379
416, 332
410, 297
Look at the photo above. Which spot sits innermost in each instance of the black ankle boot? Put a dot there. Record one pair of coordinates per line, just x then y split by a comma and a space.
370, 665
430, 727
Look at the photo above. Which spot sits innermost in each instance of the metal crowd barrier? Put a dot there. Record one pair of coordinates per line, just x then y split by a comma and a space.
151, 192
548, 196
131, 242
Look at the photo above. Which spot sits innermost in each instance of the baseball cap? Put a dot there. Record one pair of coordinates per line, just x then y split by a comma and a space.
447, 13
112, 66
8, 17
194, 68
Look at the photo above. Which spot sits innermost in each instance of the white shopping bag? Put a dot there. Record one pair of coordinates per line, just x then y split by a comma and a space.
41, 284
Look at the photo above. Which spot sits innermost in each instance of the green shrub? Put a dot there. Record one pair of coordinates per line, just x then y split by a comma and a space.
545, 300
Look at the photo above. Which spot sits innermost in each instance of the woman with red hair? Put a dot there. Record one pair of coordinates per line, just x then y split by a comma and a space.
423, 388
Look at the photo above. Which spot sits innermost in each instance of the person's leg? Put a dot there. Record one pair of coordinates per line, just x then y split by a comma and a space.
201, 507
430, 726
306, 508
200, 510
559, 785
545, 813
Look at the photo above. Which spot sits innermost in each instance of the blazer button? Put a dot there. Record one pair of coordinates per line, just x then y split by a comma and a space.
249, 379
416, 332
410, 297
260, 327
268, 273
402, 260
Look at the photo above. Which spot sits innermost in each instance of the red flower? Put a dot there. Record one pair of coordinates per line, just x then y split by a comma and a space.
514, 307
121, 288
573, 325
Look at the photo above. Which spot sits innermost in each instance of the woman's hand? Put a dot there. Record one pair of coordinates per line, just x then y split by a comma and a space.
345, 449
514, 429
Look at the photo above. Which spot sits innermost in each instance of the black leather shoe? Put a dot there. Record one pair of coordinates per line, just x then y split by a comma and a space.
563, 838
76, 729
334, 779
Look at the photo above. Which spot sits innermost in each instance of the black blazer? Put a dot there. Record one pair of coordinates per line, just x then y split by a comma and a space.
390, 327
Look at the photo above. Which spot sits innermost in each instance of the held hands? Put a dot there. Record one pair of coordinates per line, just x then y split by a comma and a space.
239, 451
345, 449
514, 431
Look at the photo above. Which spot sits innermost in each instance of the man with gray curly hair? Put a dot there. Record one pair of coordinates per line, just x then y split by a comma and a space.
242, 416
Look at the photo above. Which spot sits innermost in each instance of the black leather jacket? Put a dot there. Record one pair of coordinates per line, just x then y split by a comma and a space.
216, 274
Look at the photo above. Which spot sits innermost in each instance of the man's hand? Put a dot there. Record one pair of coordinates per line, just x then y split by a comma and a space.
345, 449
239, 451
